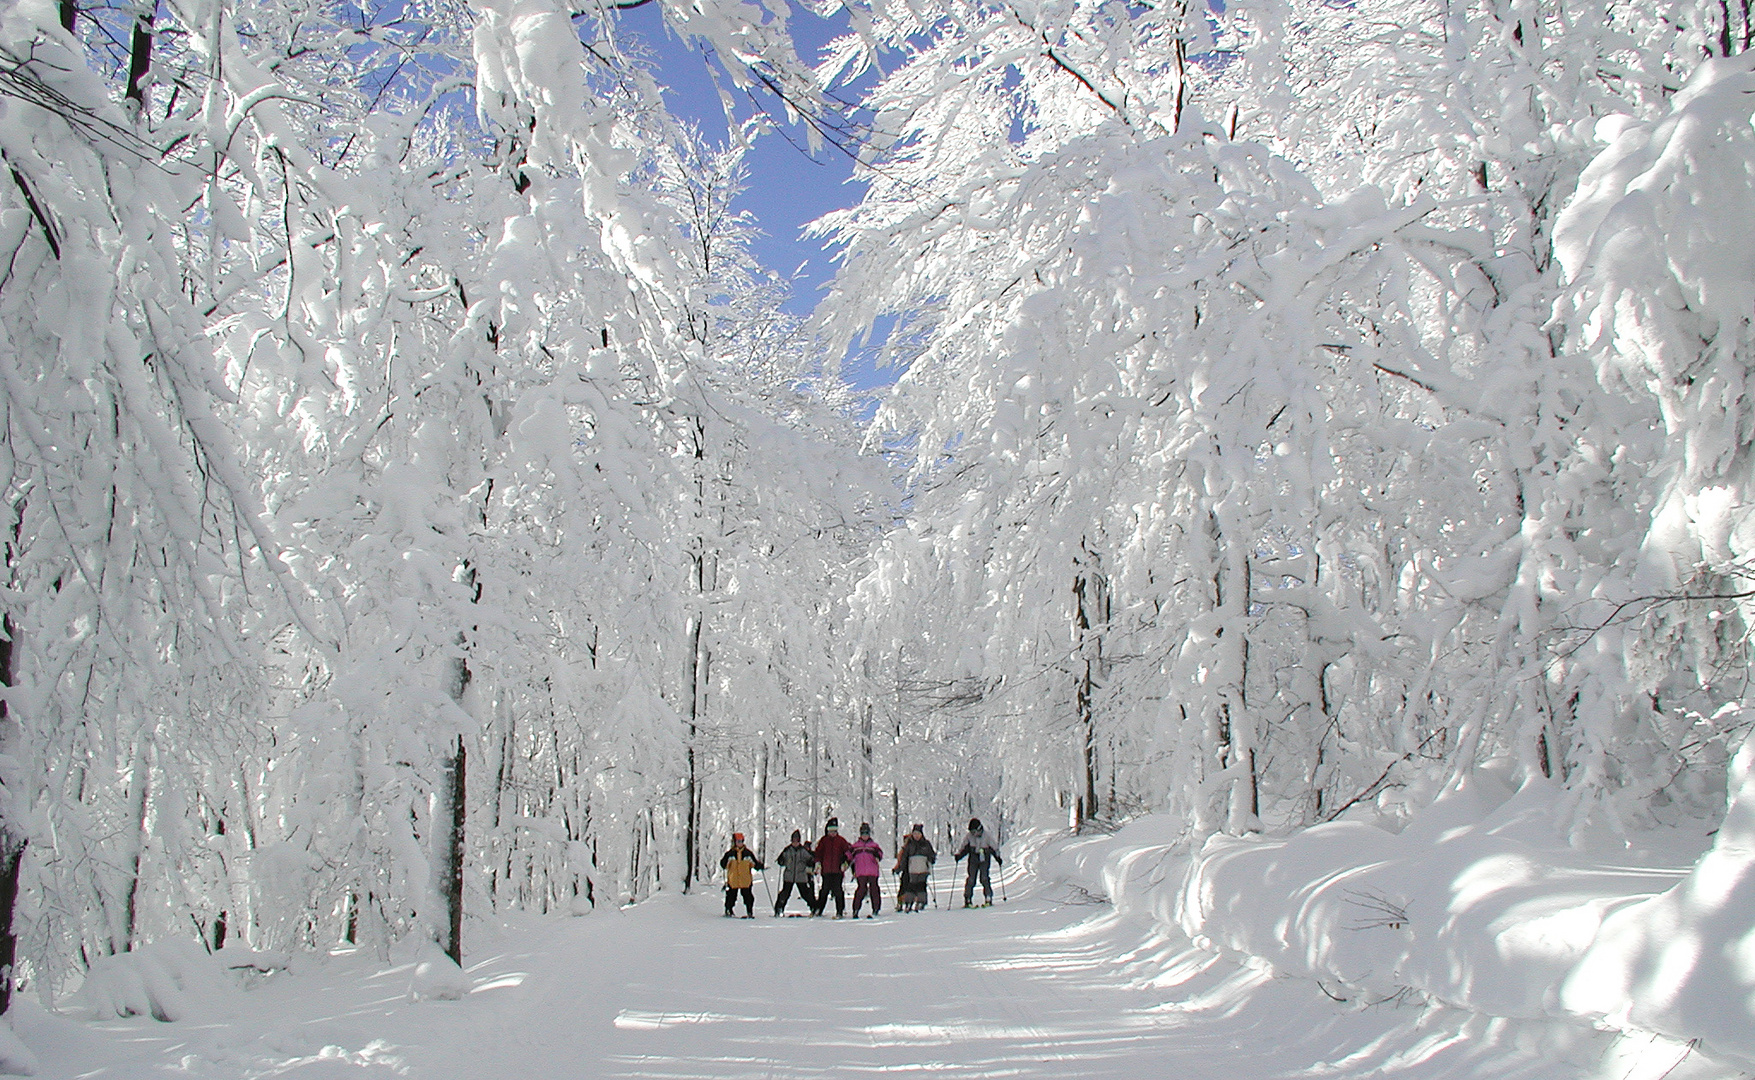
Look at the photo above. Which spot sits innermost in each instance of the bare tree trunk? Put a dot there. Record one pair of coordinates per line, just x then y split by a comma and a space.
702, 572
1090, 622
12, 842
1243, 800
450, 822
140, 801
449, 819
895, 757
691, 783
502, 872
139, 55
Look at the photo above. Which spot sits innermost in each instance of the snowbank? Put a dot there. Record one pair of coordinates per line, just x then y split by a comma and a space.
1478, 903
1683, 962
438, 978
172, 980
16, 1059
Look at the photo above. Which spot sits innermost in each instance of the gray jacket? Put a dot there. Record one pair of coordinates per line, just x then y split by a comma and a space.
797, 861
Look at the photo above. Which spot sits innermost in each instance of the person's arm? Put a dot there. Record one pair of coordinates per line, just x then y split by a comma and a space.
723, 859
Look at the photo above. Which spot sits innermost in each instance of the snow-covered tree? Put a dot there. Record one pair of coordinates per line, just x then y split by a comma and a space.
1250, 437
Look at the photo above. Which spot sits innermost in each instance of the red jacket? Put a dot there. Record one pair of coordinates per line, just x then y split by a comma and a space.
831, 853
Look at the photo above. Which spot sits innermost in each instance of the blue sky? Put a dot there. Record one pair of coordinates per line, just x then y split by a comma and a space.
787, 188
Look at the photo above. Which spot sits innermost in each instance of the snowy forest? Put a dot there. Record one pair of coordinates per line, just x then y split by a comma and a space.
420, 504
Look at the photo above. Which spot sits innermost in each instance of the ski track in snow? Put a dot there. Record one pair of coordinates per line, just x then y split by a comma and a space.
671, 990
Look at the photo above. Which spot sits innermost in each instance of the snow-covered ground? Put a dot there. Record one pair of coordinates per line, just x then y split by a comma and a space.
1053, 983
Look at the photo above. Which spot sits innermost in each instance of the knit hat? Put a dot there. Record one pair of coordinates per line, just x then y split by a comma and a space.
797, 836
974, 824
865, 830
834, 823
737, 838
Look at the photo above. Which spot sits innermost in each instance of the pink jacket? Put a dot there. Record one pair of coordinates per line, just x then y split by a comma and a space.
866, 857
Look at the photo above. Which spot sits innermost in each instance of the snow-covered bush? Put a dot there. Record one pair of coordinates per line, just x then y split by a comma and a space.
167, 981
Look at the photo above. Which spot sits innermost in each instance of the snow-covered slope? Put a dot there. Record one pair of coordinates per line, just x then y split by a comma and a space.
1479, 904
1683, 961
1049, 984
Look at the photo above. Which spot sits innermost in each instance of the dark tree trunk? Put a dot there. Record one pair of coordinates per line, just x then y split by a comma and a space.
11, 859
704, 573
691, 786
139, 54
11, 843
456, 781
449, 819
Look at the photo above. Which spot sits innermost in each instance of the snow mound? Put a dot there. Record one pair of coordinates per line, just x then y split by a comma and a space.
1683, 962
437, 978
1479, 903
170, 980
15, 1058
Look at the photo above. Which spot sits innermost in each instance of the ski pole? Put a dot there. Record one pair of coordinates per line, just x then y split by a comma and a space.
767, 888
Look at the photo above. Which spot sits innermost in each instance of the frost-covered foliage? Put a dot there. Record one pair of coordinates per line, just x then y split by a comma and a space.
418, 501
1268, 458
420, 504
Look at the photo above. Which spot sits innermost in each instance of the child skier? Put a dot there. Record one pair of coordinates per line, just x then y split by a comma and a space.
738, 862
796, 864
832, 864
980, 849
914, 863
867, 858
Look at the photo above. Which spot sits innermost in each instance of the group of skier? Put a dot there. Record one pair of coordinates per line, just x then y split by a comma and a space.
801, 866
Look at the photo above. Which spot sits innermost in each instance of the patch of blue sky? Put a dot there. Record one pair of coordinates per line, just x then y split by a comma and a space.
790, 183
792, 179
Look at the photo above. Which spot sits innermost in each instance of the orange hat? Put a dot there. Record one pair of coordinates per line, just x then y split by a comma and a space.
737, 837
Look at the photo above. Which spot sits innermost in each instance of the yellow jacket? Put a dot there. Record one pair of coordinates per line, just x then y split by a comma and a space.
739, 864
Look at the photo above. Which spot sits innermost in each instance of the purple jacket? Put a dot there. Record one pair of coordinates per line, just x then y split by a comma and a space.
866, 856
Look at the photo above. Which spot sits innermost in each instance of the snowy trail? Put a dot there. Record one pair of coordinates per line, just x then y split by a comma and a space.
670, 990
